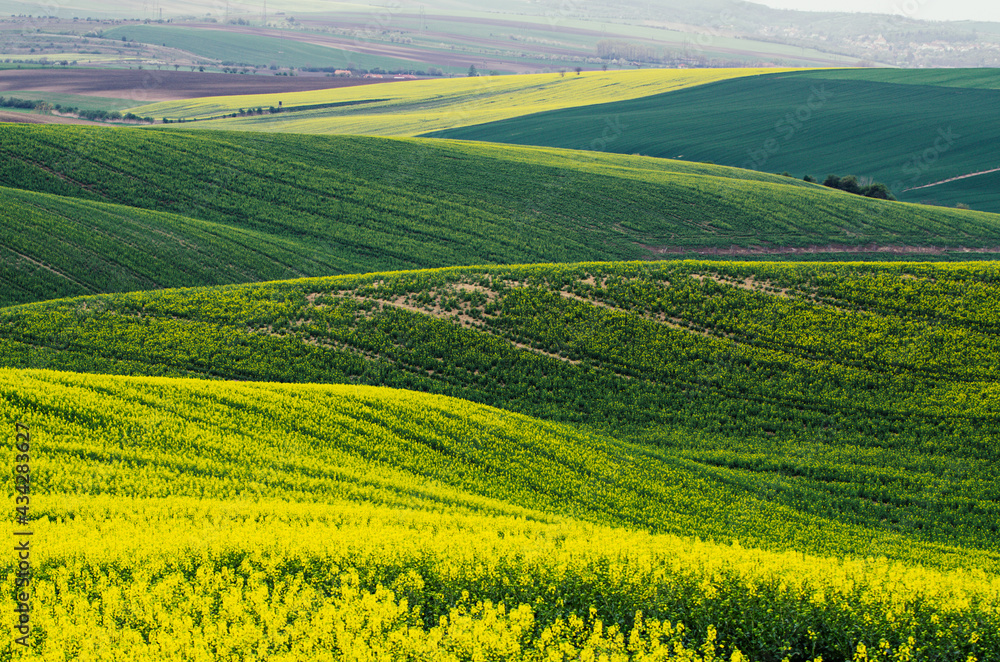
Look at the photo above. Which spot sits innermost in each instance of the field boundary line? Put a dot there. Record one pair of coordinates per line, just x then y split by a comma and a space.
953, 179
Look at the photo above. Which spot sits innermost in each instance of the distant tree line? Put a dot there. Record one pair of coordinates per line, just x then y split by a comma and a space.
93, 115
612, 51
101, 115
14, 102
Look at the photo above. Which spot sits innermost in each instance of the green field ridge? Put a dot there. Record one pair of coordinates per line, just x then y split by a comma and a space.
317, 206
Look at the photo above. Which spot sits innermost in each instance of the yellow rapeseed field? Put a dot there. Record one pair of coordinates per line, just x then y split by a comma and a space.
177, 519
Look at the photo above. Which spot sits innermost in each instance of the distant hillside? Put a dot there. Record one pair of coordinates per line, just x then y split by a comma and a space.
419, 106
278, 206
868, 37
938, 125
852, 393
235, 48
507, 36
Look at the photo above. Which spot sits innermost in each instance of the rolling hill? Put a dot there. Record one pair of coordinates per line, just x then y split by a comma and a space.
786, 460
976, 191
178, 518
264, 206
939, 125
762, 374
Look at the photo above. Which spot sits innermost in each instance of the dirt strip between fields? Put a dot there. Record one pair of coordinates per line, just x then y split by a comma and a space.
146, 85
29, 118
658, 251
953, 179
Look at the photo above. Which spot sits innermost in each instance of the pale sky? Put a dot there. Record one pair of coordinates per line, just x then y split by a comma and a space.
928, 10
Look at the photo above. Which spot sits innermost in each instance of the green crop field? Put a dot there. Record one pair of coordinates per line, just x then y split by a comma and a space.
314, 205
413, 107
81, 101
252, 50
53, 246
938, 126
985, 78
792, 461
689, 355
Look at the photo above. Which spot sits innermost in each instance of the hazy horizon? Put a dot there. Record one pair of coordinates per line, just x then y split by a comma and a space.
927, 10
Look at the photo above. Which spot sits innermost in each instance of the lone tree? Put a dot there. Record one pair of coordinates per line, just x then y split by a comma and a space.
472, 70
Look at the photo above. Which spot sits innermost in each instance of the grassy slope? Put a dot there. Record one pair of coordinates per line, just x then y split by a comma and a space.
415, 107
928, 133
327, 205
175, 518
53, 246
857, 398
252, 50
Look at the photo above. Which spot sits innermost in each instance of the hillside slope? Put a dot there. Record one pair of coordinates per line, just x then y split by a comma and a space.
937, 126
861, 394
53, 246
316, 206
180, 518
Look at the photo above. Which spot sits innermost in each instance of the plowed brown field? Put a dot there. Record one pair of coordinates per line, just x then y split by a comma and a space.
145, 85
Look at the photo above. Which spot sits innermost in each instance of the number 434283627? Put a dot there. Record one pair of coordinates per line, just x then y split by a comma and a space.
22, 473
